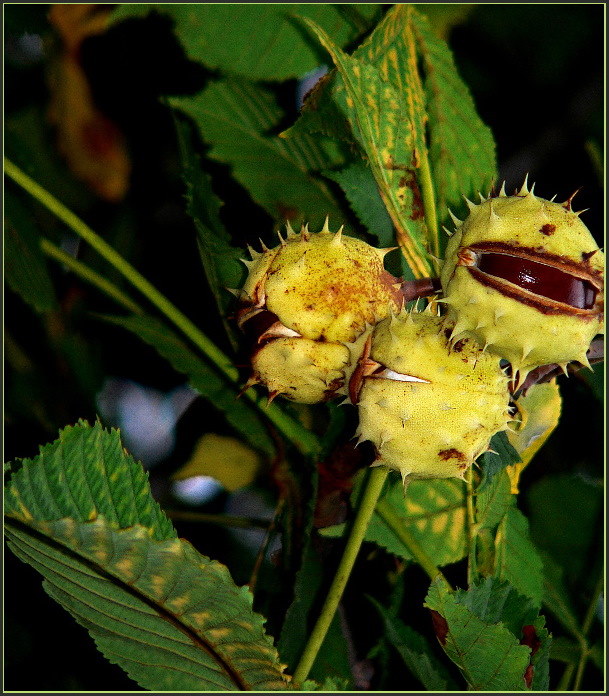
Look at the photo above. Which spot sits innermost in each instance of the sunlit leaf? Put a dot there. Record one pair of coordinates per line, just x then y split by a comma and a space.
81, 513
236, 118
386, 113
221, 36
201, 377
539, 412
226, 459
489, 656
433, 512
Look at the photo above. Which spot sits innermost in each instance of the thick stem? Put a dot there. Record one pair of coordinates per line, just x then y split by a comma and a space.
302, 438
472, 565
429, 205
90, 276
374, 486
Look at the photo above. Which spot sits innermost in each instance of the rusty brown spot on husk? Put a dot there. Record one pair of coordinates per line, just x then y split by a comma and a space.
451, 453
548, 229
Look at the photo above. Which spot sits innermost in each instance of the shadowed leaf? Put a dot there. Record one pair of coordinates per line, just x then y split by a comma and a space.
24, 263
221, 36
516, 558
415, 652
236, 117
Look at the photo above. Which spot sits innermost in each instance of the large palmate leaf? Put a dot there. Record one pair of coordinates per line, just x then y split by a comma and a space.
221, 36
81, 513
488, 654
423, 129
431, 515
235, 116
239, 413
387, 121
24, 263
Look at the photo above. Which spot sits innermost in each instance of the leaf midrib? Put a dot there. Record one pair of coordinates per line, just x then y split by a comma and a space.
198, 640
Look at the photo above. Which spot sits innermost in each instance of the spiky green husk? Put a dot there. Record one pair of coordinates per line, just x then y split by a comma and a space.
435, 429
301, 370
521, 334
328, 288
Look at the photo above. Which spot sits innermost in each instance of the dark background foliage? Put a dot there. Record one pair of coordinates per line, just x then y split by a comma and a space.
536, 74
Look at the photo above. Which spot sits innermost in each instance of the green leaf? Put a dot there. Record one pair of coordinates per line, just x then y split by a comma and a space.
432, 513
83, 475
493, 501
491, 464
556, 598
385, 111
221, 260
516, 558
416, 652
359, 186
488, 654
424, 95
493, 601
461, 147
170, 617
24, 263
201, 377
262, 41
81, 513
236, 117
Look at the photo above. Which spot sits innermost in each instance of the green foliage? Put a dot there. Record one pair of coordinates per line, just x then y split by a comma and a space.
385, 143
431, 514
24, 263
81, 513
416, 652
237, 117
221, 36
489, 656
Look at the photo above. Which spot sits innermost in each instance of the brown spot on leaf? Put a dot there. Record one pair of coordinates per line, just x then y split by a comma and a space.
440, 626
528, 676
548, 229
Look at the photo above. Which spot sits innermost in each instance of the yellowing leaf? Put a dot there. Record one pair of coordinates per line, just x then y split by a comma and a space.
539, 411
92, 144
226, 459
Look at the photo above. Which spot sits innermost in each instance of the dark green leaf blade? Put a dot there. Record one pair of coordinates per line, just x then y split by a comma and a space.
488, 654
168, 615
491, 463
416, 652
204, 379
235, 117
493, 500
24, 264
516, 558
221, 260
221, 36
